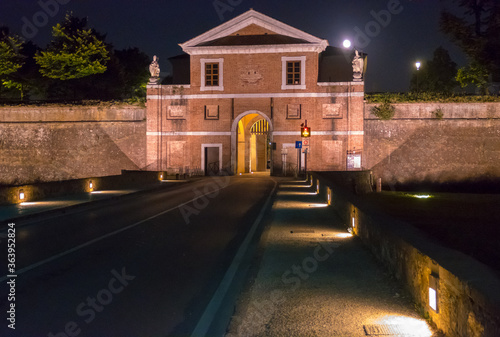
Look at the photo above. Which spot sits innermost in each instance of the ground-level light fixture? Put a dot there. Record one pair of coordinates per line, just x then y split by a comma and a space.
433, 292
343, 235
406, 326
318, 205
91, 185
22, 196
420, 196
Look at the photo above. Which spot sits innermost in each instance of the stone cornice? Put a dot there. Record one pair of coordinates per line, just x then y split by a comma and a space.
263, 49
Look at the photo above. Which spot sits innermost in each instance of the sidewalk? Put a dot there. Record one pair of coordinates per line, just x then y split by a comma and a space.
314, 279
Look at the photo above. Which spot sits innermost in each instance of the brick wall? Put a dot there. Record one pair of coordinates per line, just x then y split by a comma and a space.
416, 146
51, 143
177, 113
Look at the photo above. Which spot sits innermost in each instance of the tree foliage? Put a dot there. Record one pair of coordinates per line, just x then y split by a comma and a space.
476, 33
75, 52
11, 58
436, 75
475, 74
77, 64
133, 71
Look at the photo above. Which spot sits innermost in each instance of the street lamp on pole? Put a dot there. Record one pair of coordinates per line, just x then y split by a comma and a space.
417, 64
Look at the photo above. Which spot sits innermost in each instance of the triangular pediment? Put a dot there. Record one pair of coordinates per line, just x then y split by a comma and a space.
253, 24
253, 29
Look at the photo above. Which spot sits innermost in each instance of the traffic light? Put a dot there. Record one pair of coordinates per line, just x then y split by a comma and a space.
305, 131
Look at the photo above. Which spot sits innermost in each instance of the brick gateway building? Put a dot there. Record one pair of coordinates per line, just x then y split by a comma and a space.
240, 94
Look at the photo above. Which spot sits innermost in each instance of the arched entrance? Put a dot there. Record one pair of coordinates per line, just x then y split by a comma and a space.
251, 138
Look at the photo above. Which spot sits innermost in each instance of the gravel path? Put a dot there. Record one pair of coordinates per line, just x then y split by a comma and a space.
319, 280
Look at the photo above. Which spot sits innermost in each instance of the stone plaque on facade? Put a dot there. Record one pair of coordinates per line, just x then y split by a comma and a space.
250, 75
176, 112
293, 111
332, 110
332, 152
211, 112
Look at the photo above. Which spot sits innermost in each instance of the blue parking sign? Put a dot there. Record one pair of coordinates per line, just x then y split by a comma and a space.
298, 144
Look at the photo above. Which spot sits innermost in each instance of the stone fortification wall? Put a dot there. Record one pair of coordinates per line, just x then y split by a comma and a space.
434, 142
51, 143
467, 296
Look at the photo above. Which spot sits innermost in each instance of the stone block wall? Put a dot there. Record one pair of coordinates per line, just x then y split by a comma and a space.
40, 191
468, 292
53, 143
419, 146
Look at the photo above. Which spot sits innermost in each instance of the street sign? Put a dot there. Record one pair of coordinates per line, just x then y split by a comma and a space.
298, 144
305, 142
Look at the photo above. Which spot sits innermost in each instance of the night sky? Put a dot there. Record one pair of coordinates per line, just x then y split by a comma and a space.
157, 27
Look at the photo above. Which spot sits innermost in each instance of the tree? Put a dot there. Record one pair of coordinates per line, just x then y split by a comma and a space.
126, 77
476, 33
475, 74
436, 75
134, 71
75, 52
11, 58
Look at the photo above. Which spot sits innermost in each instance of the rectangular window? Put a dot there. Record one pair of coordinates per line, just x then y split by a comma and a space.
293, 72
211, 74
293, 75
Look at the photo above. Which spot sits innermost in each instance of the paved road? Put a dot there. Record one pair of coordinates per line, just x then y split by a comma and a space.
143, 266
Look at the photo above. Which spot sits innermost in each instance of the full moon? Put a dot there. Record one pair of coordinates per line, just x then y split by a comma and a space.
346, 44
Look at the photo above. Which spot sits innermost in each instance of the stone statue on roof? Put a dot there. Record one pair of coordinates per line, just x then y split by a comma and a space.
357, 66
154, 69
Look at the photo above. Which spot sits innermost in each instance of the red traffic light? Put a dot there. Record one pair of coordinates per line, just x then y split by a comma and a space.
305, 131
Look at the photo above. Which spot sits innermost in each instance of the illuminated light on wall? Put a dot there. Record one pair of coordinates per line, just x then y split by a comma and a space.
353, 222
433, 292
91, 185
22, 196
433, 299
317, 186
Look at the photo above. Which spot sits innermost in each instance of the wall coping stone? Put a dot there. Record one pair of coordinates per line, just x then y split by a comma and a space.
490, 110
